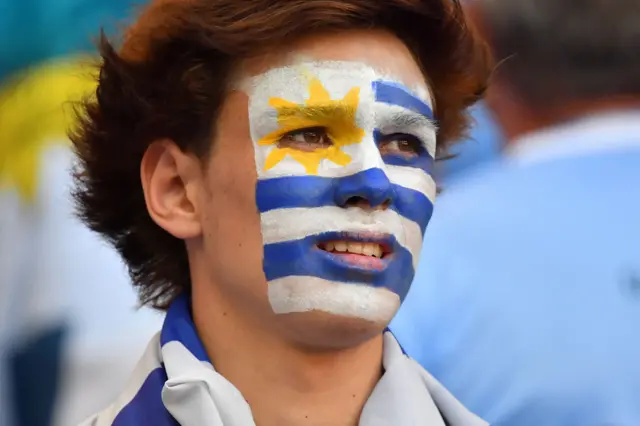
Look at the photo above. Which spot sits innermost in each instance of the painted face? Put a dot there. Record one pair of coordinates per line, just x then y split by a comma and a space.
344, 157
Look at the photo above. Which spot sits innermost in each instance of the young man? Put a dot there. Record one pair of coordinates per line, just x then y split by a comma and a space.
264, 168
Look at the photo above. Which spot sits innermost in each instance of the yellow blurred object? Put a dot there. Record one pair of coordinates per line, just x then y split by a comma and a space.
36, 109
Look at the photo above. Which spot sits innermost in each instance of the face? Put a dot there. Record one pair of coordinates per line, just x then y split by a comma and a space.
320, 188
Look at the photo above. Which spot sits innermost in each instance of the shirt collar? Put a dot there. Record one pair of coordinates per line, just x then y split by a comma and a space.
588, 135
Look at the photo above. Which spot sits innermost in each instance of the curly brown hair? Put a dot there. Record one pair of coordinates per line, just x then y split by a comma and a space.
168, 80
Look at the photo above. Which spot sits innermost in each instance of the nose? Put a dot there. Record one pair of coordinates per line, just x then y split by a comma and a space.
370, 188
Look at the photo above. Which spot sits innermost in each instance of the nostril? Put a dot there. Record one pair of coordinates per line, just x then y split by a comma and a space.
364, 203
357, 202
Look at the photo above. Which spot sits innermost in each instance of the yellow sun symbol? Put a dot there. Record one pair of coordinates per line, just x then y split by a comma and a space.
338, 117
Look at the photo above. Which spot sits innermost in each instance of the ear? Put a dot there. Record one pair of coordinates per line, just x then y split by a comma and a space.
170, 180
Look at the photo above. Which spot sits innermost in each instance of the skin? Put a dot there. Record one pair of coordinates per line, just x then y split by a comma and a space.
325, 366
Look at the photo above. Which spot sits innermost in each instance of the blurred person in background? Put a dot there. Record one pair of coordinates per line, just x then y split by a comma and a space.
533, 261
69, 327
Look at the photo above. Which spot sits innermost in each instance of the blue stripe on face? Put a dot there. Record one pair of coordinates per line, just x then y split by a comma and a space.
303, 258
422, 160
316, 191
396, 94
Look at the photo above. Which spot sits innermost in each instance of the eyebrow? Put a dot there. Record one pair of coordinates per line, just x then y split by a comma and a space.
398, 95
398, 119
405, 119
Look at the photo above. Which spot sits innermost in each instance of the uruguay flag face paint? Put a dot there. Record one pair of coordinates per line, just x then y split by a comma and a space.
344, 157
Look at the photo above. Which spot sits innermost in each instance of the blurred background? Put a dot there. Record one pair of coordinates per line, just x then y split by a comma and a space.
526, 304
70, 327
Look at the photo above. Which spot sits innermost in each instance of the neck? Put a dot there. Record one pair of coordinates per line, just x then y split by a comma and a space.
327, 387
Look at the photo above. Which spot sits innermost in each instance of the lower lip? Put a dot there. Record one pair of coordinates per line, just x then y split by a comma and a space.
360, 261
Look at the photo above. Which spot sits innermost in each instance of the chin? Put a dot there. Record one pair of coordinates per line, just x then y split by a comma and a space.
332, 315
321, 331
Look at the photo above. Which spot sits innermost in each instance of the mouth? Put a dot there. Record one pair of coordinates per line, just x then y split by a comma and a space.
358, 248
367, 252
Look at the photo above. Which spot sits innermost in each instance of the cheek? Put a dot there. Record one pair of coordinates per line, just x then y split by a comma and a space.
232, 222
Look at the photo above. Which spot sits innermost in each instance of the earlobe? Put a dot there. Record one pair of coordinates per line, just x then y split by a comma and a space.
168, 176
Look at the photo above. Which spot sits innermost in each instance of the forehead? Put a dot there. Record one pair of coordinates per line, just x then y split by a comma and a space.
293, 82
353, 55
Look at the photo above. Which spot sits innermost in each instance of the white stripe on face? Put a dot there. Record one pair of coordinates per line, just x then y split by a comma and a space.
413, 178
304, 294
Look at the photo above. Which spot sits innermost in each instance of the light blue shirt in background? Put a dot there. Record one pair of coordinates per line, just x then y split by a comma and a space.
526, 304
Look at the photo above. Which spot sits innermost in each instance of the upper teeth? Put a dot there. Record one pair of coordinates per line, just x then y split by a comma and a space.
368, 249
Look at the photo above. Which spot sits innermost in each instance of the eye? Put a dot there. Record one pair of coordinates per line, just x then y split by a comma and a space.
308, 139
400, 144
